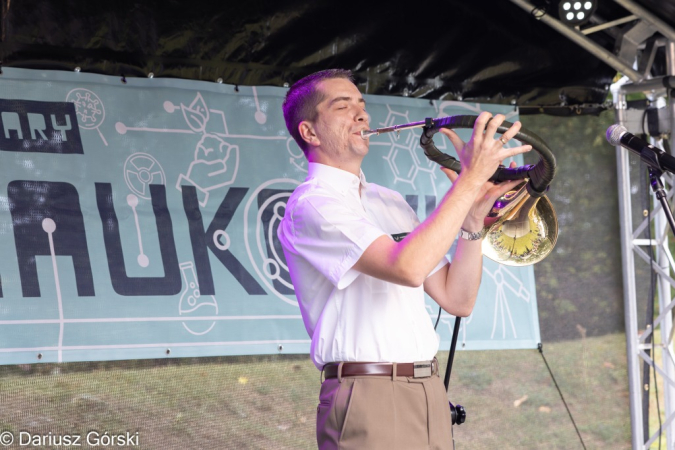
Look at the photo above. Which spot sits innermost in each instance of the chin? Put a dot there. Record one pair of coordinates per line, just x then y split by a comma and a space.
361, 150
360, 147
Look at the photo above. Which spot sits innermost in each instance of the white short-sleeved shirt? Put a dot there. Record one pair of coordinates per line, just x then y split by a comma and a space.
351, 316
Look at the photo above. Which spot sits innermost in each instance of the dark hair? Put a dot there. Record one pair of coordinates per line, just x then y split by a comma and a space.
302, 99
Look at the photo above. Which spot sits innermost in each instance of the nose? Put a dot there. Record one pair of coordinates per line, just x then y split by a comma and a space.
362, 116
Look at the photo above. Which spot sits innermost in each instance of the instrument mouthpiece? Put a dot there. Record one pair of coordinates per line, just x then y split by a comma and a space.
614, 134
365, 134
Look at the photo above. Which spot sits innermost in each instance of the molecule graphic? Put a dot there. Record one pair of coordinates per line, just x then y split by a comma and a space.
406, 159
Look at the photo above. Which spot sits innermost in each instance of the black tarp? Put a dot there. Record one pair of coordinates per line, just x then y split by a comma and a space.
488, 51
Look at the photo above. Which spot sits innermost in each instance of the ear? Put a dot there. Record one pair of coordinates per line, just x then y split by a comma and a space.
308, 134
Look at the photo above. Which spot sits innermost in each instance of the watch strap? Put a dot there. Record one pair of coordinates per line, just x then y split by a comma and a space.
470, 235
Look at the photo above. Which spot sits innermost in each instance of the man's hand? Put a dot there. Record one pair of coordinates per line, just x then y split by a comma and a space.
480, 158
410, 261
488, 195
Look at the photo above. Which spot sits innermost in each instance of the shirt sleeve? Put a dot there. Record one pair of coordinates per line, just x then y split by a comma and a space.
331, 237
440, 264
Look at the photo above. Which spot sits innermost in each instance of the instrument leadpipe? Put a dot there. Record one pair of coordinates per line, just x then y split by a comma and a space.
540, 175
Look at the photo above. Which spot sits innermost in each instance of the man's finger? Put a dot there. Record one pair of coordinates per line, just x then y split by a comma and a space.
511, 132
512, 164
450, 174
479, 126
504, 188
505, 153
457, 142
493, 124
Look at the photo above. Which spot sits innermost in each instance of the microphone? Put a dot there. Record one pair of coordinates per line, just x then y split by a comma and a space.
652, 156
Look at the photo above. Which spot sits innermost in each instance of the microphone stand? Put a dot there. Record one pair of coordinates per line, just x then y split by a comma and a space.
457, 412
657, 186
655, 174
451, 356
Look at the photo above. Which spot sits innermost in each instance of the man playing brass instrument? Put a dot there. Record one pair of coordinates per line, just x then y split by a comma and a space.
360, 262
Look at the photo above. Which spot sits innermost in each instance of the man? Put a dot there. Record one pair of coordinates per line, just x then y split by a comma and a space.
360, 262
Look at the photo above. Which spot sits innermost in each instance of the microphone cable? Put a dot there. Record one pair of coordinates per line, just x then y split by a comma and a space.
540, 347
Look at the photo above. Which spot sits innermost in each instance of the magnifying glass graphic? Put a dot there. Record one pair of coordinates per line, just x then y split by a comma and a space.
89, 109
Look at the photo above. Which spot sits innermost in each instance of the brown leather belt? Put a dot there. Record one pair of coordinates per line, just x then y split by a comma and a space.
418, 369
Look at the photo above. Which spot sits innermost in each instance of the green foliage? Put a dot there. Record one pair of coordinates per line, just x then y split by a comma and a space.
580, 282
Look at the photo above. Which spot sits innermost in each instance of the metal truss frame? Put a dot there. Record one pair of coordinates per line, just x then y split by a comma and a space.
637, 42
638, 336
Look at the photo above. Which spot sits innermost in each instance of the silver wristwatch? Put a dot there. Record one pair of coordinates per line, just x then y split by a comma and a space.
469, 235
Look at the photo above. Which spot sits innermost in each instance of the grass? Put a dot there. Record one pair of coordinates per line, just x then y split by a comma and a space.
653, 417
269, 402
521, 407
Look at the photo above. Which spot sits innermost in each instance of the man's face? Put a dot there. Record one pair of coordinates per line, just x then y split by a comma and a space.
340, 118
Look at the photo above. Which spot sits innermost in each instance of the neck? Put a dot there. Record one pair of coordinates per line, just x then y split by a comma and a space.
351, 166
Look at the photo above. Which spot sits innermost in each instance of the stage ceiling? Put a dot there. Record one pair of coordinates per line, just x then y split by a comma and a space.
487, 51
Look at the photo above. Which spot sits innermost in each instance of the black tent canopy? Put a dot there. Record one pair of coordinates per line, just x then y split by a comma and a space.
488, 51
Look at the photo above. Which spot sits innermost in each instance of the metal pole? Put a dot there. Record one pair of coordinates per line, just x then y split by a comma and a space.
665, 296
670, 63
661, 229
629, 290
604, 26
654, 85
630, 303
575, 36
650, 18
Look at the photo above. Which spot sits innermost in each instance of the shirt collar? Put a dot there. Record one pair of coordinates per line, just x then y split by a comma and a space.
339, 179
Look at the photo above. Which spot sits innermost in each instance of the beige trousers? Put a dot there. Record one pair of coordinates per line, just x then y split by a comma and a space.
373, 412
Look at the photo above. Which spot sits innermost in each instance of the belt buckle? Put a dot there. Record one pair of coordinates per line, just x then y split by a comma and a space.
422, 369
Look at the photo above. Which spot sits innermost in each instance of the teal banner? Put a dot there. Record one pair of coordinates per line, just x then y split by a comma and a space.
138, 219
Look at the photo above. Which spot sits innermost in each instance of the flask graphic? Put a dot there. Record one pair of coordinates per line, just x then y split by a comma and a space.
192, 304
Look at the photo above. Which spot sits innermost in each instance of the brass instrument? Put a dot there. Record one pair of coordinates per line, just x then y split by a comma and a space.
522, 227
